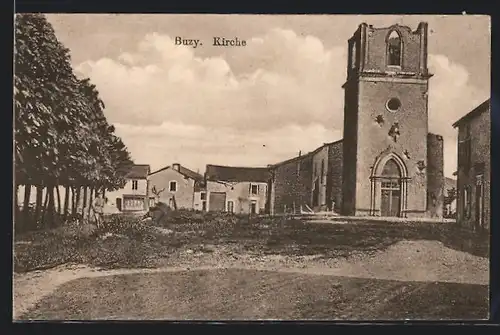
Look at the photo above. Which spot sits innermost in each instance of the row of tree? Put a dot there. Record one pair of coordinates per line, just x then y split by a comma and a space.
61, 134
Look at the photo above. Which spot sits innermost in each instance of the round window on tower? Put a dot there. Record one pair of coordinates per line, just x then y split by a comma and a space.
393, 105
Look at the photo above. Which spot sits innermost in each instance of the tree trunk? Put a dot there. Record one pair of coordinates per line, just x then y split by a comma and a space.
44, 208
51, 207
78, 196
58, 200
26, 203
66, 203
90, 202
73, 201
38, 204
85, 195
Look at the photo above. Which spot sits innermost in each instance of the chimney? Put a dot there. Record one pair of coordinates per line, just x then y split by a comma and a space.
300, 153
176, 166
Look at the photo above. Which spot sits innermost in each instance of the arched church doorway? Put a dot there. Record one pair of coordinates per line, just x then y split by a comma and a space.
390, 186
389, 183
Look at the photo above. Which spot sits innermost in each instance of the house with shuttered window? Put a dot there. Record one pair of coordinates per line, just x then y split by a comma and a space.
239, 190
473, 182
133, 197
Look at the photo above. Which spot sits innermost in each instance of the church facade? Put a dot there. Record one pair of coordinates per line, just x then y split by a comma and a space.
387, 164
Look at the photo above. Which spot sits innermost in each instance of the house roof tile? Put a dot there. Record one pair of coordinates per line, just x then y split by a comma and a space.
475, 112
184, 171
237, 174
306, 155
138, 171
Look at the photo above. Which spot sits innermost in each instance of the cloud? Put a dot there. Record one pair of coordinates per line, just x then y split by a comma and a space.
450, 97
450, 94
282, 79
282, 90
195, 146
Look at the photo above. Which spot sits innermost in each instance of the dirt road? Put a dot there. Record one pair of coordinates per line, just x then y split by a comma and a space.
407, 261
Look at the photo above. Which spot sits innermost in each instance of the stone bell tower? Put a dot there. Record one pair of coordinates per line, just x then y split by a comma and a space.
386, 122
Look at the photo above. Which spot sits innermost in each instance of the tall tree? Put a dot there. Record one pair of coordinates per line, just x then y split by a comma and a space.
61, 133
42, 80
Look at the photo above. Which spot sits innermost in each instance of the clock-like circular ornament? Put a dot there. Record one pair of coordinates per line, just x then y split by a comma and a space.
393, 105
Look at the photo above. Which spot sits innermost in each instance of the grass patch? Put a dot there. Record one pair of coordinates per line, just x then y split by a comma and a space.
249, 294
125, 242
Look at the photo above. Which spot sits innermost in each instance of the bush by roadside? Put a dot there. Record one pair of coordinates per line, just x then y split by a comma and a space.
80, 243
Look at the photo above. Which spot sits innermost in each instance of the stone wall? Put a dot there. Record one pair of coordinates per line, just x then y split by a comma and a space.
435, 176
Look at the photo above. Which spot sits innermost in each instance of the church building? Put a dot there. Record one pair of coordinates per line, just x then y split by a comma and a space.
387, 164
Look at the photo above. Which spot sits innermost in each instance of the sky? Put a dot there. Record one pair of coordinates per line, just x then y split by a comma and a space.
262, 103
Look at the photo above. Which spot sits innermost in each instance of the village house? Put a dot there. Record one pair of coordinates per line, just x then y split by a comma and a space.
176, 186
133, 197
473, 173
387, 164
241, 190
310, 182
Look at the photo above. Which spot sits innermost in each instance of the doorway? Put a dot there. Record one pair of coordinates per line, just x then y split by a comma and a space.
316, 193
390, 187
391, 198
253, 207
217, 201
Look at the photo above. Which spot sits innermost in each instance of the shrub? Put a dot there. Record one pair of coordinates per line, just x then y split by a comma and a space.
121, 241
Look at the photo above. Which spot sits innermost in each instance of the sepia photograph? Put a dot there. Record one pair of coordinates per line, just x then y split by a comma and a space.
251, 167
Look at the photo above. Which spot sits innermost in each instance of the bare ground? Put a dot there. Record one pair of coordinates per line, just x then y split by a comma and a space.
408, 276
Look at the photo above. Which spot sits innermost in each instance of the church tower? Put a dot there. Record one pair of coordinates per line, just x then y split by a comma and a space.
385, 155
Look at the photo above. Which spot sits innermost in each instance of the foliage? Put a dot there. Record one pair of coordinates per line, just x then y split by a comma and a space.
121, 241
61, 134
447, 201
127, 241
450, 196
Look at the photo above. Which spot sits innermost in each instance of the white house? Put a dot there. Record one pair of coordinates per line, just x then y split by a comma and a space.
133, 197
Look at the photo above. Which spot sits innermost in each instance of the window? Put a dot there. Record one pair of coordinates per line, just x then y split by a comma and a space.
467, 130
390, 184
323, 172
135, 184
230, 206
464, 150
133, 203
152, 201
394, 47
479, 168
173, 186
254, 189
203, 196
467, 202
